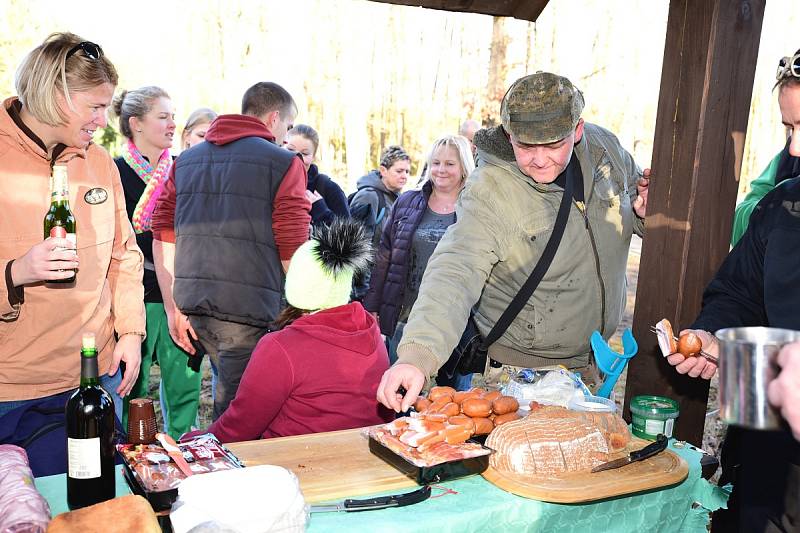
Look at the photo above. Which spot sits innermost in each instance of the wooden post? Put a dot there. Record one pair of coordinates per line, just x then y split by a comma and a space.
703, 108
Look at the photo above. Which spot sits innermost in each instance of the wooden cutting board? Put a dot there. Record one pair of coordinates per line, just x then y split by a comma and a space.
329, 466
662, 470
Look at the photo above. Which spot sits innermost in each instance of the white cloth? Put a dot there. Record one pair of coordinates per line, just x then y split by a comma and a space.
257, 499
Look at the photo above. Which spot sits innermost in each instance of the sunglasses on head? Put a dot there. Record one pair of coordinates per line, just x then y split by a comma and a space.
788, 66
90, 50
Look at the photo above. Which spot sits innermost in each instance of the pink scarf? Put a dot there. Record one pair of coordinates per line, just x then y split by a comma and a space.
154, 179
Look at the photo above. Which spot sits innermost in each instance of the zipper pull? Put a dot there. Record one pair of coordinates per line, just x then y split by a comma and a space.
582, 208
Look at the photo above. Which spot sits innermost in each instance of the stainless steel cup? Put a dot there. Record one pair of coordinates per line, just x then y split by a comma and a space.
747, 364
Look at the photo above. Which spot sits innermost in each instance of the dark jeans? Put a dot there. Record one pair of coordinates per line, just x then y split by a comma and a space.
109, 383
764, 467
229, 346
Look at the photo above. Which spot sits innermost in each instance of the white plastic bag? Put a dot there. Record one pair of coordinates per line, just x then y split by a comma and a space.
256, 499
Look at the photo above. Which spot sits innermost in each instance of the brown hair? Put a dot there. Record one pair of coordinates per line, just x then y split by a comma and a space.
136, 103
393, 154
288, 315
265, 97
203, 115
306, 131
46, 72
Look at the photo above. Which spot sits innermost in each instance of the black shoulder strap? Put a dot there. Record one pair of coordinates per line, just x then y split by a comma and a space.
573, 175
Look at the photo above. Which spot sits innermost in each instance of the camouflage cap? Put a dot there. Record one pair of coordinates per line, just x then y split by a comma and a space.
541, 108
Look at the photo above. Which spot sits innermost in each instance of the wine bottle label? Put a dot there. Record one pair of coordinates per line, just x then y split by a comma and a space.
83, 458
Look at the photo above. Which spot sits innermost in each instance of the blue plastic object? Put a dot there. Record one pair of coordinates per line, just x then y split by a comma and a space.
611, 363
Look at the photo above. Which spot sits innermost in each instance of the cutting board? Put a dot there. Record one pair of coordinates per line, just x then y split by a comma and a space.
662, 470
330, 466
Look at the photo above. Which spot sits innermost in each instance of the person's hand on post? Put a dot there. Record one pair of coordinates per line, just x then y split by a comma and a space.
180, 329
403, 375
697, 366
784, 391
52, 259
313, 196
642, 186
128, 349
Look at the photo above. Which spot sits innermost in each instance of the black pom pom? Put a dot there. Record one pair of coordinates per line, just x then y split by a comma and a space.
343, 244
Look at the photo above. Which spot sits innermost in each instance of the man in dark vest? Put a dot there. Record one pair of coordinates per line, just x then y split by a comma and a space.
232, 213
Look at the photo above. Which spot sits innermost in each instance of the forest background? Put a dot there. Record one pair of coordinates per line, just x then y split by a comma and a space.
367, 74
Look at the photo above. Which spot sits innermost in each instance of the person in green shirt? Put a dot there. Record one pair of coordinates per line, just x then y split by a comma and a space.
786, 164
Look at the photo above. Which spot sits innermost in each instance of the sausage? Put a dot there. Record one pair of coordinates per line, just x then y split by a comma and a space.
439, 392
483, 426
476, 407
421, 404
434, 417
499, 420
456, 434
462, 420
690, 345
492, 395
450, 409
504, 405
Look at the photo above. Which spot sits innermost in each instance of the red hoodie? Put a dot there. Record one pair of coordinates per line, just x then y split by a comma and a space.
290, 218
321, 373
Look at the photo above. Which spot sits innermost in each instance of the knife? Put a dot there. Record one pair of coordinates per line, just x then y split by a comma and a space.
382, 502
172, 449
648, 451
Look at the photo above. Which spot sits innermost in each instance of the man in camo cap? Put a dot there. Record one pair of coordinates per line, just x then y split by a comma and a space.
505, 216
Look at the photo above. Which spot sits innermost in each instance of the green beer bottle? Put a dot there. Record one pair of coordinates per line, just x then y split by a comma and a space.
59, 220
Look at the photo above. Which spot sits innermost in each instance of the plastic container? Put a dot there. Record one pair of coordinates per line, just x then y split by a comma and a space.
592, 404
652, 415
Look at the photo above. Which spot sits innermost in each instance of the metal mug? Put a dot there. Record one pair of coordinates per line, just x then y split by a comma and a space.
747, 364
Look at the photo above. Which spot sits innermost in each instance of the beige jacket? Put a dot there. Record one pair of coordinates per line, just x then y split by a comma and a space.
504, 222
40, 339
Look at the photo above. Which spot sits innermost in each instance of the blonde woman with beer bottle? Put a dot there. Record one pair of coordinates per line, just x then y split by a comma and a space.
64, 87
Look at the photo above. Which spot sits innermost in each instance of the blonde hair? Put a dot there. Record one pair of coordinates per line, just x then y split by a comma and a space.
203, 115
46, 72
136, 103
461, 145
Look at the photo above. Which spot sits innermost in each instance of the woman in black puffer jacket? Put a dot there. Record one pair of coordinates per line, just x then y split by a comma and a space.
418, 220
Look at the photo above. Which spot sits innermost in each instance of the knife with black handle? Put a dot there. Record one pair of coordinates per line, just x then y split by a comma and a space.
382, 502
650, 450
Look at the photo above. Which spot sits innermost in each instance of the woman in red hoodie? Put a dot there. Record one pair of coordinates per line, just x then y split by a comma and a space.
320, 371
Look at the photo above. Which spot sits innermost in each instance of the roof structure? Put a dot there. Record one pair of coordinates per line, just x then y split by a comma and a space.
518, 9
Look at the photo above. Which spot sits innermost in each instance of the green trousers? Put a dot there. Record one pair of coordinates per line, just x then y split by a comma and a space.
180, 385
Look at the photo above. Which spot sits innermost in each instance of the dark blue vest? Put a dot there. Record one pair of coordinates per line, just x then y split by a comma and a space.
226, 262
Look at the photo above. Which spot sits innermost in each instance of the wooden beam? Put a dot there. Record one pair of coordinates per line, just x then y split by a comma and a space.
703, 108
520, 9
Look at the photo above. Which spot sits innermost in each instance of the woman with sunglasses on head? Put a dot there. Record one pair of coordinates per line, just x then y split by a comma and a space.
197, 124
64, 87
147, 121
786, 164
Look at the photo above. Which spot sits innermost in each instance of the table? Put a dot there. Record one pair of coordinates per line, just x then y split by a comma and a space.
334, 465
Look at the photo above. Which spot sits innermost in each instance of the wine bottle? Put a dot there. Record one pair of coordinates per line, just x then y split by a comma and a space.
59, 220
90, 436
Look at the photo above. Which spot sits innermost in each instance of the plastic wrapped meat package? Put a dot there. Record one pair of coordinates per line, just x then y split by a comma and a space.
155, 471
22, 508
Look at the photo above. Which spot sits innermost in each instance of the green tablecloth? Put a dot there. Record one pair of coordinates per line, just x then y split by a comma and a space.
54, 490
480, 506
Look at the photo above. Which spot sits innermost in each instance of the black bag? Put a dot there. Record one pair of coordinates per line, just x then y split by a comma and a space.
470, 355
